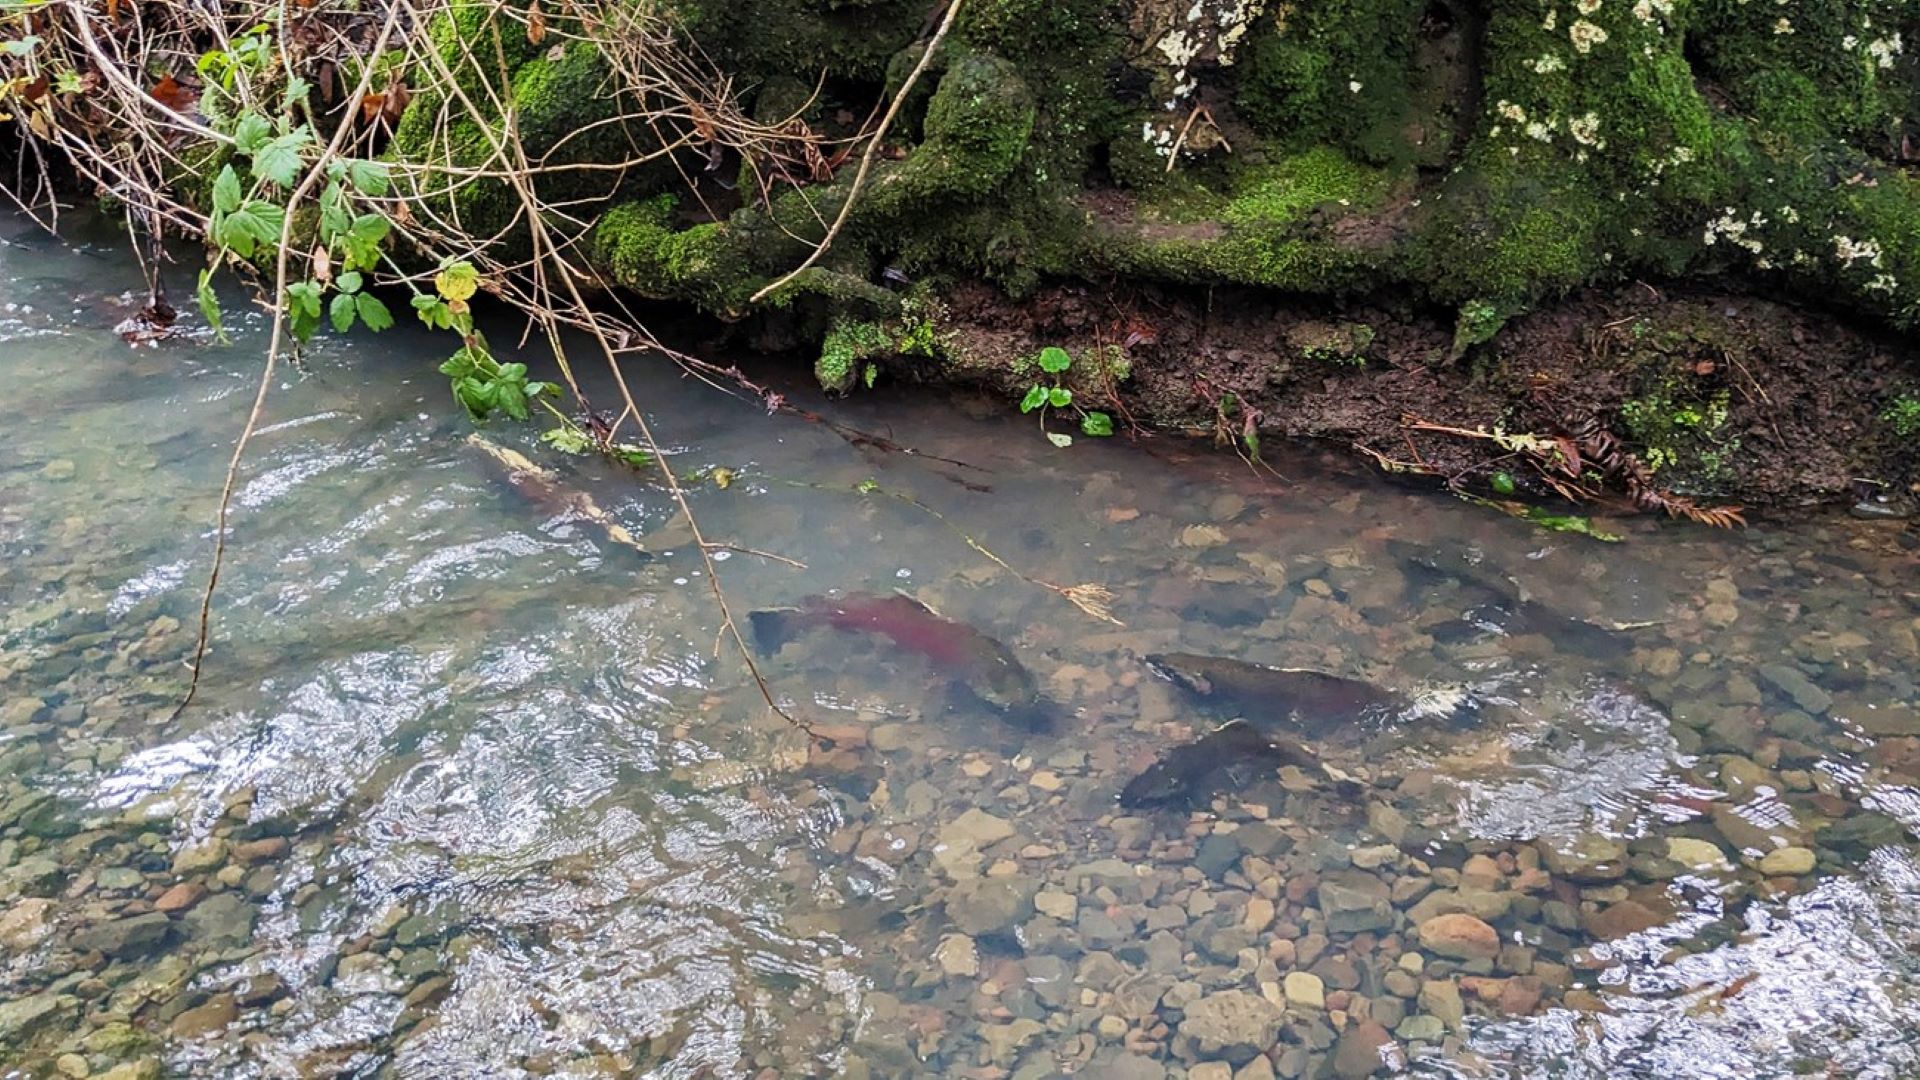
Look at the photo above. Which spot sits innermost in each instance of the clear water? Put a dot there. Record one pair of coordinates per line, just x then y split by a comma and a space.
531, 823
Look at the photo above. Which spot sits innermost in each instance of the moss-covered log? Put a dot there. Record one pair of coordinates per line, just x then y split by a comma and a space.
1473, 159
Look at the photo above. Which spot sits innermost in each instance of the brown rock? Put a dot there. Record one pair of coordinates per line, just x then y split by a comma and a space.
1365, 1049
1459, 936
1624, 918
217, 1013
180, 897
272, 847
1521, 995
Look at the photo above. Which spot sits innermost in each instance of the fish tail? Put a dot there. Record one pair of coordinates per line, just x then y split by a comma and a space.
772, 629
1451, 703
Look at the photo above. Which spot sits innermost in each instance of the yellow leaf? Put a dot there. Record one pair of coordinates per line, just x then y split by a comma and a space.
457, 283
723, 478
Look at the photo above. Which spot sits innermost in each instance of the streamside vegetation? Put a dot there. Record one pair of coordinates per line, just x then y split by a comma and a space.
1390, 198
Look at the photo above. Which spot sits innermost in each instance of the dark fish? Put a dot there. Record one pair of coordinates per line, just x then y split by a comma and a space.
973, 662
1232, 756
1322, 705
1491, 604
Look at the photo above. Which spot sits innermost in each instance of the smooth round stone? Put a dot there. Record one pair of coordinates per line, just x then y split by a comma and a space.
1787, 862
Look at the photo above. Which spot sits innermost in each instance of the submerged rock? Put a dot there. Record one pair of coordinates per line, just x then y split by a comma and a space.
1232, 1024
124, 937
1460, 937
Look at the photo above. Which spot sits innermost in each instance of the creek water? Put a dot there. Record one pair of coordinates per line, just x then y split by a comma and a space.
470, 791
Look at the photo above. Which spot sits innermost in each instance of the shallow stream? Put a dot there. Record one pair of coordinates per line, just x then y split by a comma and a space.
471, 791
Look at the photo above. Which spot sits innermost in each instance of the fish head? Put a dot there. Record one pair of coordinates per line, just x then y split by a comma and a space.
1000, 681
1162, 783
1185, 671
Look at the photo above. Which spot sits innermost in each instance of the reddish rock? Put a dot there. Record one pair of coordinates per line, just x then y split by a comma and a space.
1459, 936
1624, 918
1521, 996
272, 847
180, 897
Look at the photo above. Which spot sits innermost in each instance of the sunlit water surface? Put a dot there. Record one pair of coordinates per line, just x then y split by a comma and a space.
492, 796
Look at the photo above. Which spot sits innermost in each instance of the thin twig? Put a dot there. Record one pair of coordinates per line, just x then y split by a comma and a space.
866, 159
275, 337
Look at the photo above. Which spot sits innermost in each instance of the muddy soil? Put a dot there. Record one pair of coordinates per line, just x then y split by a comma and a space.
1731, 399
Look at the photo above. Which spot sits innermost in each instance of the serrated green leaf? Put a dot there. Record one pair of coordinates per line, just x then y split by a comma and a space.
372, 312
348, 282
252, 132
1060, 439
226, 191
1054, 360
872, 372
567, 440
1036, 397
335, 220
369, 178
1059, 397
1097, 424
210, 304
278, 161
340, 313
459, 365
515, 372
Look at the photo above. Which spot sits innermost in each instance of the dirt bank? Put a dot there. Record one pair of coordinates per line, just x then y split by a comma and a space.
1722, 397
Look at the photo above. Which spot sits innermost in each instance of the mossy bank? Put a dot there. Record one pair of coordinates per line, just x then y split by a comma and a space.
1453, 173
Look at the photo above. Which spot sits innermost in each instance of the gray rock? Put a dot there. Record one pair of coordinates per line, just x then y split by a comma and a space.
124, 937
1860, 835
1217, 854
1586, 857
1792, 682
1355, 901
21, 1017
1233, 1025
1120, 1065
220, 919
1050, 979
990, 905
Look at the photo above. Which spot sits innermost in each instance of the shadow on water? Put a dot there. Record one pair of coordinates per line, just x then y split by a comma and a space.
470, 793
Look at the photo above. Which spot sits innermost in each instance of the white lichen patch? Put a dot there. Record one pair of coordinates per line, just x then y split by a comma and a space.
1548, 64
1731, 228
1586, 130
1849, 251
1585, 36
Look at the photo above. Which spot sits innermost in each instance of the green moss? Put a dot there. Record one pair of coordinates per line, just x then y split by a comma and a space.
1339, 72
847, 345
705, 264
1682, 436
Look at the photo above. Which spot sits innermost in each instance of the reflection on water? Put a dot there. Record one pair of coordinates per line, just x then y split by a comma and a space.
470, 792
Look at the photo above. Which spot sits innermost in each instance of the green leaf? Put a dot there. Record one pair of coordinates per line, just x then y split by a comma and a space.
511, 399
568, 440
432, 310
251, 226
1060, 439
373, 312
348, 282
340, 313
541, 389
369, 178
872, 373
457, 281
210, 304
226, 191
334, 218
1054, 360
1097, 424
636, 456
278, 162
1036, 397
22, 46
251, 133
68, 82
459, 366
297, 91
1059, 397
1502, 483
303, 309
1572, 523
867, 486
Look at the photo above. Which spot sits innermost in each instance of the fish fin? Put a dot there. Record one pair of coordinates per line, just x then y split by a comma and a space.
772, 629
917, 602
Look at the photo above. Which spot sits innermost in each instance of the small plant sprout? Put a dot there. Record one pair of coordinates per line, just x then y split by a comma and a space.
1048, 394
